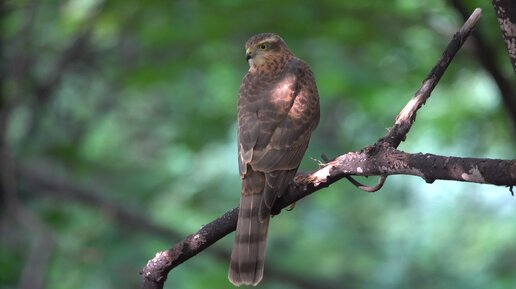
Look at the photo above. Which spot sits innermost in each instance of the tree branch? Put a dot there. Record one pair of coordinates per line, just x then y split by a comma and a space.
407, 116
377, 161
368, 162
380, 159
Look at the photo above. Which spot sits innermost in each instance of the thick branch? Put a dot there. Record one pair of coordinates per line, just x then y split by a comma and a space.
155, 272
369, 162
376, 161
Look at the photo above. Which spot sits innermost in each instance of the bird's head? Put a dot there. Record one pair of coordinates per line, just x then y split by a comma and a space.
265, 49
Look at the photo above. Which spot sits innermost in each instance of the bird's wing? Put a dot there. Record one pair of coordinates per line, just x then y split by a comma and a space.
249, 102
279, 151
263, 105
285, 133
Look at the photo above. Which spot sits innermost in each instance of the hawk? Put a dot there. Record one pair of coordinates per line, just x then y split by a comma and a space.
278, 108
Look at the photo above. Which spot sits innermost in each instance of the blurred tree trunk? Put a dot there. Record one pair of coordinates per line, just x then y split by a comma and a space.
486, 54
506, 13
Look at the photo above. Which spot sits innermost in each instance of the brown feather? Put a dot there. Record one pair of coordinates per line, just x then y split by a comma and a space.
278, 108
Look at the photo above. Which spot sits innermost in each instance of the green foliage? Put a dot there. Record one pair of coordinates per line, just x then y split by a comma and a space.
145, 117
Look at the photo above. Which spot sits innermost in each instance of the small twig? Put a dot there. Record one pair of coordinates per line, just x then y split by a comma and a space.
375, 188
325, 158
319, 163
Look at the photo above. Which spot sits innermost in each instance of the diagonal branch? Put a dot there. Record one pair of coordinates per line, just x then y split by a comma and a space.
365, 162
407, 116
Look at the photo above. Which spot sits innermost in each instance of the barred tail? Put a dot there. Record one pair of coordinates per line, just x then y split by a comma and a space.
248, 255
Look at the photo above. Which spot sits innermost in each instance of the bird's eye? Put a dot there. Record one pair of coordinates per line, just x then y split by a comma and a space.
263, 46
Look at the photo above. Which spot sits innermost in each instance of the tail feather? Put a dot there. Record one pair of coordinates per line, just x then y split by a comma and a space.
248, 255
275, 185
259, 191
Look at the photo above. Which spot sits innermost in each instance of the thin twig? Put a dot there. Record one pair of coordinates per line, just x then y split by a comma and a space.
379, 184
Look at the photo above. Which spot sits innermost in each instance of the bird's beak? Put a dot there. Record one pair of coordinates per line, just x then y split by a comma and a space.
248, 54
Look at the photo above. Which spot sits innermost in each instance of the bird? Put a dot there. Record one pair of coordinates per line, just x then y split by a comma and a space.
278, 109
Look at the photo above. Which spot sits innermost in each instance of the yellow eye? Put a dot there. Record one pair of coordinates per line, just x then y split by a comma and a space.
263, 46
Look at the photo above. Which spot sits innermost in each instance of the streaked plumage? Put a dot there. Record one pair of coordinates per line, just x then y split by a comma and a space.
278, 108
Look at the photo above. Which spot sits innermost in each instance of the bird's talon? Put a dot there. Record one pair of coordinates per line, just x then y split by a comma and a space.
291, 207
